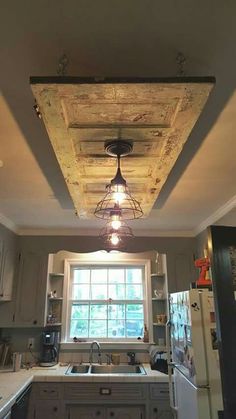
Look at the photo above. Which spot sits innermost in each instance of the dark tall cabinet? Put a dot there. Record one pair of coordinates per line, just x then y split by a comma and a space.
222, 242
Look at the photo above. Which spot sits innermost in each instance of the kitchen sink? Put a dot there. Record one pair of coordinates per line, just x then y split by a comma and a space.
78, 369
106, 369
117, 369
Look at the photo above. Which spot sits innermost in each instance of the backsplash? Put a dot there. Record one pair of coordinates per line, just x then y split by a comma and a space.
78, 357
18, 339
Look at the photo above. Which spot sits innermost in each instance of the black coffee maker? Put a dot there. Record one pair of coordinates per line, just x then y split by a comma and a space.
50, 348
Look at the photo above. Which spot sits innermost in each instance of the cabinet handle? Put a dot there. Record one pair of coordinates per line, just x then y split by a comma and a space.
55, 409
35, 322
98, 413
1, 295
112, 414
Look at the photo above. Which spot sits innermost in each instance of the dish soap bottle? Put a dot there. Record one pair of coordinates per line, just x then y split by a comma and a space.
145, 334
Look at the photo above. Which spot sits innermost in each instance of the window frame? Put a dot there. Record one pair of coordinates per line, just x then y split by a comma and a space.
112, 260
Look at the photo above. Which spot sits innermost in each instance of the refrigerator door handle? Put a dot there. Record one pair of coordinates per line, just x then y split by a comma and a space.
206, 386
170, 366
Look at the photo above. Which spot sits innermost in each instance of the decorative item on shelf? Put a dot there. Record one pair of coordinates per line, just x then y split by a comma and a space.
204, 264
158, 294
158, 261
145, 334
161, 319
161, 342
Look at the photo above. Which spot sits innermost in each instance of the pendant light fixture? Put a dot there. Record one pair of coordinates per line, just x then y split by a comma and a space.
118, 202
116, 239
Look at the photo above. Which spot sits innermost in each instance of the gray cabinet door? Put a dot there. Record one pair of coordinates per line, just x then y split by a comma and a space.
31, 290
125, 412
47, 409
7, 273
86, 412
159, 411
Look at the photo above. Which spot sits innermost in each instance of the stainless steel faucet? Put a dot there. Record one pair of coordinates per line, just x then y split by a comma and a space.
95, 343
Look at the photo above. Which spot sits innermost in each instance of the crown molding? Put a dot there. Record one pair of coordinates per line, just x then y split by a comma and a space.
217, 215
95, 232
223, 210
6, 222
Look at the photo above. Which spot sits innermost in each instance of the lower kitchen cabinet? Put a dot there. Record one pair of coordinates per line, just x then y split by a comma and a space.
125, 412
91, 400
46, 409
85, 412
104, 412
158, 411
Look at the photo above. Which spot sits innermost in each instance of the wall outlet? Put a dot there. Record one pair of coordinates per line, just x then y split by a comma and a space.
31, 343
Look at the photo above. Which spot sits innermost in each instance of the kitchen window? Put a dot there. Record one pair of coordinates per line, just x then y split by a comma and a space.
106, 302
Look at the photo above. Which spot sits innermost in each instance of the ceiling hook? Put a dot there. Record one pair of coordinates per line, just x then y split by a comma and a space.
62, 65
181, 62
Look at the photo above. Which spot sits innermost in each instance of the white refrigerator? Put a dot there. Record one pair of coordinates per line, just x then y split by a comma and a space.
195, 383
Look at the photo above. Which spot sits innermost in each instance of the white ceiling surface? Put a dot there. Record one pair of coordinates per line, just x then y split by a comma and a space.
111, 38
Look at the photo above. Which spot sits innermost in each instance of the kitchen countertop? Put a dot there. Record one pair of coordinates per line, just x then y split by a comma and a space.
13, 383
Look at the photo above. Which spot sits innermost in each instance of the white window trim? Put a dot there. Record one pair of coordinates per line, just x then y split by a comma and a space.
116, 259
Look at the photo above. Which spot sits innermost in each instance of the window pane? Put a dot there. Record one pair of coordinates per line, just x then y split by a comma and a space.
79, 311
80, 292
99, 292
116, 329
134, 292
78, 328
98, 311
116, 275
81, 276
99, 276
98, 328
134, 328
116, 292
93, 315
134, 275
116, 311
134, 311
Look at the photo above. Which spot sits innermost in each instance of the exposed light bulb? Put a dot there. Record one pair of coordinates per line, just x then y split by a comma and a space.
118, 192
119, 197
115, 218
114, 239
116, 224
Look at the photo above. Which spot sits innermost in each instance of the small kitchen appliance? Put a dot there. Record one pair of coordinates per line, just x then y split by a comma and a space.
50, 348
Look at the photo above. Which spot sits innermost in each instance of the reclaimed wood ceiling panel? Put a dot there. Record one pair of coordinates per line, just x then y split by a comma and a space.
79, 114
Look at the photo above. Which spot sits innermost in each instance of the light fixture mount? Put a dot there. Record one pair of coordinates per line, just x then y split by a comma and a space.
118, 147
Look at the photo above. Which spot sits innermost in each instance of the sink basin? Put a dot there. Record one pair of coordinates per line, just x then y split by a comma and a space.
117, 369
78, 369
106, 369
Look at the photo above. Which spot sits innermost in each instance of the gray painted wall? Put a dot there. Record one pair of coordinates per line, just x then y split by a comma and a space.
179, 252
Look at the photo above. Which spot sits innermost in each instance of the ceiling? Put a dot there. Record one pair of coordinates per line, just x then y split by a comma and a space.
117, 39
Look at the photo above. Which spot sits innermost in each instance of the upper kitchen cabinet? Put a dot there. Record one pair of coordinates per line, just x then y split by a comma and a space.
31, 290
7, 268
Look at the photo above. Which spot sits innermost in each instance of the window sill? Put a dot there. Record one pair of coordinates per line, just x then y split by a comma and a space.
142, 346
